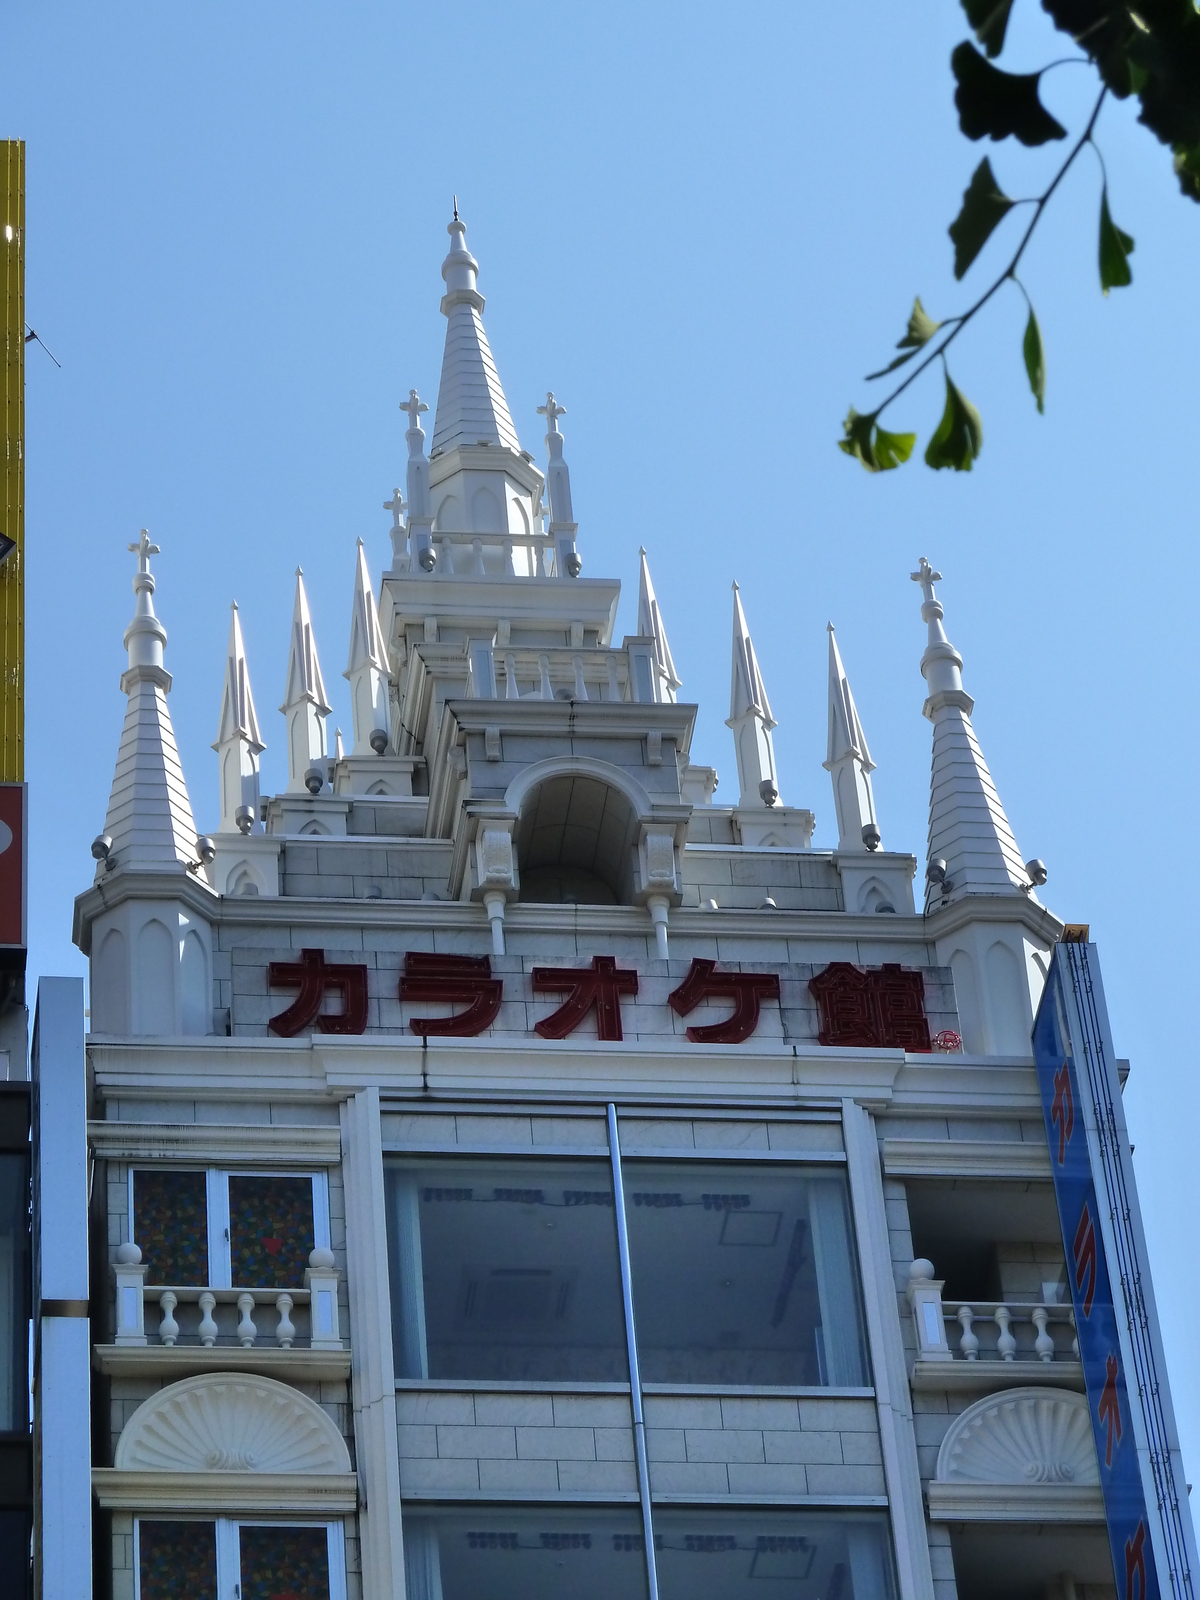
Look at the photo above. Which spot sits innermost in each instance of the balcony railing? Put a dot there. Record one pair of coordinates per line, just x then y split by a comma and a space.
228, 1313
986, 1330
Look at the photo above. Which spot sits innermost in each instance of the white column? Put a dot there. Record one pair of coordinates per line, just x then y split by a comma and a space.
63, 1412
893, 1401
371, 1365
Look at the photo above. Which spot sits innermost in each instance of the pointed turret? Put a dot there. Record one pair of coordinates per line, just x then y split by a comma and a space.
563, 526
968, 829
848, 762
650, 626
368, 667
750, 718
238, 743
471, 408
421, 553
149, 824
304, 703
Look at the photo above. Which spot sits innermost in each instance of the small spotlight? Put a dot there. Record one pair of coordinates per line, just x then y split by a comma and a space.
767, 792
244, 817
1037, 872
871, 836
102, 850
314, 779
574, 564
207, 849
935, 872
378, 741
427, 558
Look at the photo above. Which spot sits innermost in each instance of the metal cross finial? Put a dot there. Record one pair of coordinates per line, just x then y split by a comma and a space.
926, 577
552, 411
456, 208
395, 505
143, 549
414, 405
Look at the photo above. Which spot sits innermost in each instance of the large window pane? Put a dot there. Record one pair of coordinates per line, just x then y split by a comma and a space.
743, 1275
506, 1270
270, 1231
491, 1554
714, 1555
14, 1293
283, 1563
170, 1221
177, 1560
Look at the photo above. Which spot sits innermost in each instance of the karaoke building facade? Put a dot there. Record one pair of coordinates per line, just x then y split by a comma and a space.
516, 1174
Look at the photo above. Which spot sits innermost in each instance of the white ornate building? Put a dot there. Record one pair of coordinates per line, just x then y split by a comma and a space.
519, 1173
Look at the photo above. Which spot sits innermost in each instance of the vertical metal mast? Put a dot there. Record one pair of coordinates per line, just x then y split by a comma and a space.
12, 496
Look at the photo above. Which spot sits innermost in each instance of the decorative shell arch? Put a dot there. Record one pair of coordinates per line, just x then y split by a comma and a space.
1021, 1436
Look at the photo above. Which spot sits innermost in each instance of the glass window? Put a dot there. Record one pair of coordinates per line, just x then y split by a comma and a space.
171, 1223
224, 1560
270, 1231
506, 1270
177, 1560
714, 1555
743, 1275
499, 1554
14, 1293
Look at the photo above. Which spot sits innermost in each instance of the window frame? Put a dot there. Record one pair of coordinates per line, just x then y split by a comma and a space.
216, 1208
228, 1547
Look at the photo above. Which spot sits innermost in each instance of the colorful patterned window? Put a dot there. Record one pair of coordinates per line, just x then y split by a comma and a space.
227, 1560
224, 1230
270, 1232
171, 1212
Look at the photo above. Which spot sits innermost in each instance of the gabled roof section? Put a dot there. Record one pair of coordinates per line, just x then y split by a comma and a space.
239, 720
746, 691
149, 816
304, 680
471, 408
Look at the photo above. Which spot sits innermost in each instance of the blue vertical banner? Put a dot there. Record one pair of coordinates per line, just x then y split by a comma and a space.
1119, 1345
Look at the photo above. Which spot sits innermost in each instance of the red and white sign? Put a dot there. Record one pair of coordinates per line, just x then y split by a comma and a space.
12, 863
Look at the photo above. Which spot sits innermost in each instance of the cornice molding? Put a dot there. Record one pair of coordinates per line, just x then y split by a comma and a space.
216, 1143
964, 1158
323, 1494
183, 1361
1011, 1502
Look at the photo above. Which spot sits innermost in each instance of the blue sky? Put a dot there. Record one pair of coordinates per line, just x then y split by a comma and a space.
700, 225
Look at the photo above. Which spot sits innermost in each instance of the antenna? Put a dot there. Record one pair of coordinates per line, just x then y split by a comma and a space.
456, 208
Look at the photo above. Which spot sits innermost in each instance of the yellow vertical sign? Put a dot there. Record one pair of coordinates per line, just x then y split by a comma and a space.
12, 495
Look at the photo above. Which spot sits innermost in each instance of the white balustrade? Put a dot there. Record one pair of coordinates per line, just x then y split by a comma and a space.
1009, 1318
319, 1295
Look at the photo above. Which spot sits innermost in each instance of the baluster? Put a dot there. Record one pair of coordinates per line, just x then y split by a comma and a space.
614, 683
477, 550
285, 1332
1005, 1344
168, 1328
1043, 1344
969, 1343
509, 566
208, 1328
246, 1331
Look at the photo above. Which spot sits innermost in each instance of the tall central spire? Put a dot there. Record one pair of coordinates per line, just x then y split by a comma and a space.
471, 408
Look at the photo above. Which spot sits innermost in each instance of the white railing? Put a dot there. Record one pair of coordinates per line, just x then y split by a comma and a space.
318, 1297
1012, 1330
592, 674
508, 554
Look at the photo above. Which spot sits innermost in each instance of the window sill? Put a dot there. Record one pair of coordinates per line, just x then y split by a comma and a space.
177, 1361
507, 1386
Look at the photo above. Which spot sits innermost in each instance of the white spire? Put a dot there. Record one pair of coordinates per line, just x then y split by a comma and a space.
304, 703
967, 825
420, 514
149, 817
238, 744
750, 718
563, 526
848, 762
650, 626
471, 407
367, 670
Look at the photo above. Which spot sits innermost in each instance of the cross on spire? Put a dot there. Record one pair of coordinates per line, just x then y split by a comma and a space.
396, 506
552, 411
143, 549
414, 405
926, 577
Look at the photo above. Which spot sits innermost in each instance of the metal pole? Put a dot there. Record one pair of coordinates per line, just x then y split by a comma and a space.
635, 1378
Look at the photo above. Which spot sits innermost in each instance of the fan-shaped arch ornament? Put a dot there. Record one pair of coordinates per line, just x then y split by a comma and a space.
1021, 1437
223, 1422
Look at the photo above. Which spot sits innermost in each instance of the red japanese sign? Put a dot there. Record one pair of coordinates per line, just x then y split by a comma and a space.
746, 989
881, 1007
452, 980
313, 979
12, 863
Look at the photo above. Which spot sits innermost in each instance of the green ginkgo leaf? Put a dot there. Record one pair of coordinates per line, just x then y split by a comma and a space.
984, 206
1115, 248
958, 438
875, 447
1035, 359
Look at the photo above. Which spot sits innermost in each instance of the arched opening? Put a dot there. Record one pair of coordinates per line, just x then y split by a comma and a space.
574, 837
